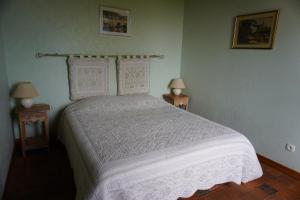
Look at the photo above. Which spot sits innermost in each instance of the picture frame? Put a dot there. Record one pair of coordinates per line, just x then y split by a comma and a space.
255, 31
114, 21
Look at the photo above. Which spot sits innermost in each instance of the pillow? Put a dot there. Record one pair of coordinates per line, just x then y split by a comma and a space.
133, 76
88, 77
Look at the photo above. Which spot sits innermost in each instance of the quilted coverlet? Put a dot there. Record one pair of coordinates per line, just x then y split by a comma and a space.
138, 147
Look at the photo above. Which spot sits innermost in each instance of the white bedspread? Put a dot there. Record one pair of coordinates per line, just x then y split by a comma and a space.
139, 147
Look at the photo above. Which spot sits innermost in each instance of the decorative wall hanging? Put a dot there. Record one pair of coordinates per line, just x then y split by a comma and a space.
114, 21
133, 76
88, 77
255, 31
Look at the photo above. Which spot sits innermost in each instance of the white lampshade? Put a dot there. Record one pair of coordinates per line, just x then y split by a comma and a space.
177, 84
25, 90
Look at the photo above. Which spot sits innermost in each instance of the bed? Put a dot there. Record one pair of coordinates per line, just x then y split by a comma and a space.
138, 147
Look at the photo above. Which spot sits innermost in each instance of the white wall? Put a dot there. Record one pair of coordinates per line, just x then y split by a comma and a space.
256, 92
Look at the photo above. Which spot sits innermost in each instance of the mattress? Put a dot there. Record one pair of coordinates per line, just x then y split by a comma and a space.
139, 147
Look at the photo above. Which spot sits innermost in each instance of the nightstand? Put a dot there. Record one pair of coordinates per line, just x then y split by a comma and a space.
38, 113
180, 101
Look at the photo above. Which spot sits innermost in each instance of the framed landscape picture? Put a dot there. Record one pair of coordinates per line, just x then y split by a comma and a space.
255, 31
114, 21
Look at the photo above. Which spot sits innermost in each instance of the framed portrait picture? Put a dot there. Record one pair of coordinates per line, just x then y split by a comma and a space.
255, 31
114, 21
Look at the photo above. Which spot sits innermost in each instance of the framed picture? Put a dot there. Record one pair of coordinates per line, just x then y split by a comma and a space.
255, 31
114, 21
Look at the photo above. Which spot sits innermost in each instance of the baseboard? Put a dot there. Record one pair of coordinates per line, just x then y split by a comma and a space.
279, 166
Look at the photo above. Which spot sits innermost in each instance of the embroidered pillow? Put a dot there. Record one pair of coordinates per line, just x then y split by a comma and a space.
133, 76
88, 77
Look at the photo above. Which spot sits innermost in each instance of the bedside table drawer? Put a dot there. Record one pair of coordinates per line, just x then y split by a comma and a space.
180, 101
33, 116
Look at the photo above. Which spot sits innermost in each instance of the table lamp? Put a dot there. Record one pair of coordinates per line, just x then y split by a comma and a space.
25, 91
177, 85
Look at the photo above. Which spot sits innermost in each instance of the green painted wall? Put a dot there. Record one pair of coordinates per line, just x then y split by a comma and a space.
253, 91
6, 136
73, 27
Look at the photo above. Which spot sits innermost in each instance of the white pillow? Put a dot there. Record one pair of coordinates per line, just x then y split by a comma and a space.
133, 76
88, 77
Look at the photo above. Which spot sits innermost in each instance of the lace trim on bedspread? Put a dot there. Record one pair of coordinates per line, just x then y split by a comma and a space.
184, 183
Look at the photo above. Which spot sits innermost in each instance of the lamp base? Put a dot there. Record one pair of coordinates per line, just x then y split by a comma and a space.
27, 102
177, 91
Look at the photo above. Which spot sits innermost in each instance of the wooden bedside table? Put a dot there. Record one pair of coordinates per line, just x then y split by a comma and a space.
37, 113
180, 101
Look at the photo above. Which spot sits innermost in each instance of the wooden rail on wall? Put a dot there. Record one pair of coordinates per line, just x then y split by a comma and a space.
279, 167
